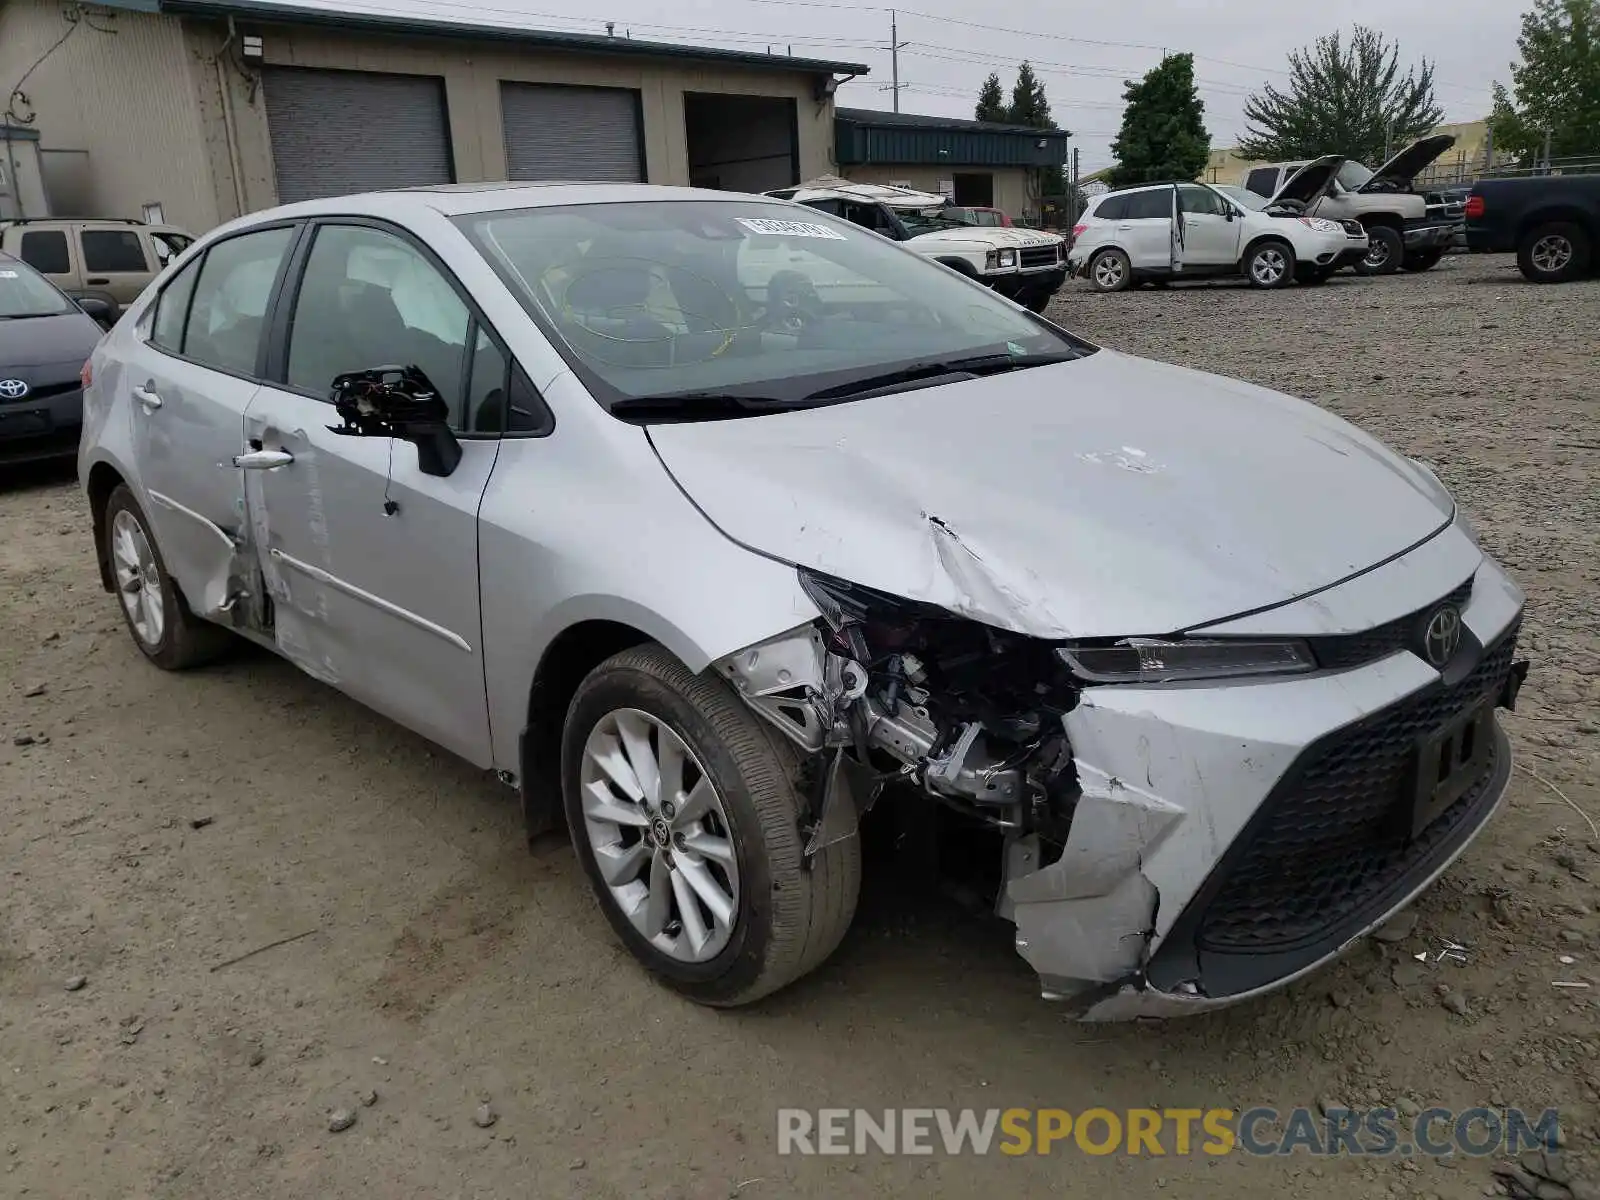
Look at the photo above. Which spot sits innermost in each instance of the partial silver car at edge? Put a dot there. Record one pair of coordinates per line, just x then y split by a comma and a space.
708, 520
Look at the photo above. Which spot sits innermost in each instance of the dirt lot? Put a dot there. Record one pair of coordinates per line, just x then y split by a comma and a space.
444, 965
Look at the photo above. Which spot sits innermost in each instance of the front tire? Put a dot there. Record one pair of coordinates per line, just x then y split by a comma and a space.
1111, 270
1269, 264
153, 608
1554, 253
685, 814
1385, 250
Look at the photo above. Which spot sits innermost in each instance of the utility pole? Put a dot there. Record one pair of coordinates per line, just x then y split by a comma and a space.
1077, 199
1547, 152
895, 45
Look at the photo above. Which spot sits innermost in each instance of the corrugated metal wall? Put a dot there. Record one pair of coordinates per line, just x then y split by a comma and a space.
123, 96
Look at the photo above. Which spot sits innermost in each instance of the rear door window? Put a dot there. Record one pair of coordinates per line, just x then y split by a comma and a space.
1149, 206
112, 251
228, 315
45, 250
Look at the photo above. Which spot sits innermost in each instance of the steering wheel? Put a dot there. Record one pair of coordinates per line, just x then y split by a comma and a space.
792, 303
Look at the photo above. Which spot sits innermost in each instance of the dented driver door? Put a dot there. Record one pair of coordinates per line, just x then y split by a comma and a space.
370, 563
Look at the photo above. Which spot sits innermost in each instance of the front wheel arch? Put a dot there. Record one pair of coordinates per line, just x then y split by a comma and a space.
960, 265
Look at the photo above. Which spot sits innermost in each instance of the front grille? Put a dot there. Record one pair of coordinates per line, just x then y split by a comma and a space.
1342, 651
1039, 256
1333, 840
44, 392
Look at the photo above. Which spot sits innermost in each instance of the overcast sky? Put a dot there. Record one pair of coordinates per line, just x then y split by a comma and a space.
1082, 52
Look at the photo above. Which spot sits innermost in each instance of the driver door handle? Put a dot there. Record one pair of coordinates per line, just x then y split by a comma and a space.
147, 397
262, 460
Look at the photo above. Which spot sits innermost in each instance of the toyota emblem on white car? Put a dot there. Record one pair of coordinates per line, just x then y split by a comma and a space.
1443, 635
13, 389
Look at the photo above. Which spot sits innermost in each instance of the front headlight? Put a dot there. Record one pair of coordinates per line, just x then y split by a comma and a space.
1006, 258
1153, 660
1322, 225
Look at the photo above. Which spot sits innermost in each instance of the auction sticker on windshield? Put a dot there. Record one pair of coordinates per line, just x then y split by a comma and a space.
790, 228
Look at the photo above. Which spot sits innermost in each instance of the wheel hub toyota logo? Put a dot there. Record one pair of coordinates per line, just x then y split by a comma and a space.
1442, 637
13, 389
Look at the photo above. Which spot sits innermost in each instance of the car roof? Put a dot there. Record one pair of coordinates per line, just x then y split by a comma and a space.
465, 199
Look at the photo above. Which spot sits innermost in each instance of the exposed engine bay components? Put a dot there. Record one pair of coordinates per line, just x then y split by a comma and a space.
968, 713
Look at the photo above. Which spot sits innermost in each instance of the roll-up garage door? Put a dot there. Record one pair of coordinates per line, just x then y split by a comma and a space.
571, 133
338, 132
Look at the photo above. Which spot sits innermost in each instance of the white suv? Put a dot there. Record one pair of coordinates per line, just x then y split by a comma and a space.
1027, 265
1191, 230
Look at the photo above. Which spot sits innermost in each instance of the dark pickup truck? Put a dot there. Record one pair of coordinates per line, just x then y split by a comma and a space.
1551, 221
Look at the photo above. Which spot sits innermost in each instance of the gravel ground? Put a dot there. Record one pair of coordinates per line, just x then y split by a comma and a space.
159, 826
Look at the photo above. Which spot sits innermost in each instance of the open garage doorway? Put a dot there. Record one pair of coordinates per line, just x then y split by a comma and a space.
741, 143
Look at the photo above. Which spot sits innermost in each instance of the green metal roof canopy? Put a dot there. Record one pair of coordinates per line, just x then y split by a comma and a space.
864, 136
268, 12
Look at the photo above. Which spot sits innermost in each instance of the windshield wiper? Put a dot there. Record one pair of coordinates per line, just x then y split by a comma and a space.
932, 371
702, 405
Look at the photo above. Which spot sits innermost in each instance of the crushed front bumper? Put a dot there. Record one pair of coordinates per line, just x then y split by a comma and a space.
1233, 838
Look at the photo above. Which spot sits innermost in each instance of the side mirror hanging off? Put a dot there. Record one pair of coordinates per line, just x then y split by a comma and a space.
398, 402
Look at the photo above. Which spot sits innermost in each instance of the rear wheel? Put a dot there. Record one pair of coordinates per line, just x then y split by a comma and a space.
1110, 271
685, 812
1385, 250
1424, 260
1269, 264
154, 609
1554, 253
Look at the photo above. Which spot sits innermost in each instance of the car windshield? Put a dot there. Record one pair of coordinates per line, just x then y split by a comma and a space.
744, 297
1243, 197
928, 220
1353, 175
26, 293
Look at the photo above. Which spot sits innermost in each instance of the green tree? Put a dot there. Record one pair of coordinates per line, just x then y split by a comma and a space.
1163, 128
1028, 104
1557, 84
992, 101
1344, 97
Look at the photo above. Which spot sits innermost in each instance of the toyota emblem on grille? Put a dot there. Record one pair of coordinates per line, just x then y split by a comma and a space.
1442, 636
13, 389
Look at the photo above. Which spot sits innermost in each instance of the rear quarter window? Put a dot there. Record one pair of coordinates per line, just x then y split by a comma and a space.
1112, 208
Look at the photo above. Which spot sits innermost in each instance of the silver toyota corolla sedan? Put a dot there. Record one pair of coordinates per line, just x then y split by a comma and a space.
710, 522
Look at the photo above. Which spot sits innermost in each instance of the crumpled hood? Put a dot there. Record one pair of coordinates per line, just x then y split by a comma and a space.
1111, 496
993, 235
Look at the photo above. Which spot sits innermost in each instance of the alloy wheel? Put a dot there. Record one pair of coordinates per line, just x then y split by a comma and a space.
1269, 265
1551, 253
1377, 253
138, 580
1108, 271
660, 835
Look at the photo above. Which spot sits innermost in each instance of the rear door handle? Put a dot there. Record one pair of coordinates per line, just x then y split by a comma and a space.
97, 282
262, 460
147, 397
1124, 226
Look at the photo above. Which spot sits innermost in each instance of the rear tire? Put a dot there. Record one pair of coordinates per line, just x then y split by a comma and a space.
1111, 270
1556, 252
785, 915
153, 608
1385, 250
1269, 264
